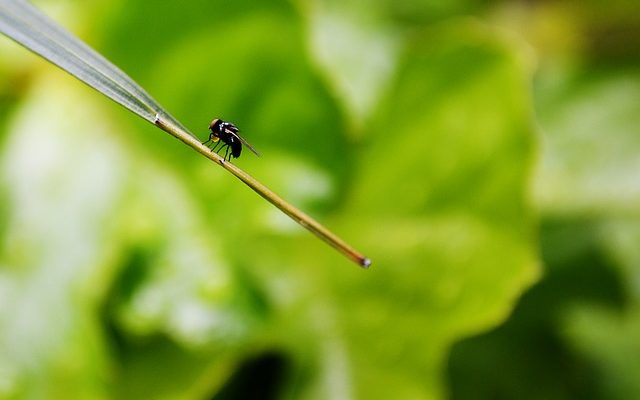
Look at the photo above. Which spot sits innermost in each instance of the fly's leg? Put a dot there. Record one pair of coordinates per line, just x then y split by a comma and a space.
224, 146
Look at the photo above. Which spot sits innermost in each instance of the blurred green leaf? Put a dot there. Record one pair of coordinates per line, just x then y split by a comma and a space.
590, 121
446, 201
591, 127
358, 54
175, 302
609, 340
530, 356
442, 203
582, 318
607, 336
59, 241
55, 274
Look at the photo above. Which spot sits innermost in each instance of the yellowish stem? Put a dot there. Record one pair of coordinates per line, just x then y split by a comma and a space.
294, 213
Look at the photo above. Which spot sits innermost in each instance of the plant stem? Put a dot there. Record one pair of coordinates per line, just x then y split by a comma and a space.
294, 213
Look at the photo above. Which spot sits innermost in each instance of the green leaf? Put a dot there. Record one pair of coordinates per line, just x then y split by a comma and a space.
583, 317
357, 53
97, 236
608, 340
590, 120
607, 336
438, 189
265, 84
59, 242
591, 127
445, 209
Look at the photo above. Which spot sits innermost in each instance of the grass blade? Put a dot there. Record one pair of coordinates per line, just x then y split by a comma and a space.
26, 25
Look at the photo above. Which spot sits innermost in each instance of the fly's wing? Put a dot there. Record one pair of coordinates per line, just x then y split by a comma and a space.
249, 146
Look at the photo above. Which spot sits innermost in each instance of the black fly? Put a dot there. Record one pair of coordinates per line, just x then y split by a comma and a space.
227, 134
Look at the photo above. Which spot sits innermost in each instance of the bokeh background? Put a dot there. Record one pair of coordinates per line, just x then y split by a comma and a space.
484, 154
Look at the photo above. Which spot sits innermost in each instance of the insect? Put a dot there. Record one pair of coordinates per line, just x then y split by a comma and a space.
226, 133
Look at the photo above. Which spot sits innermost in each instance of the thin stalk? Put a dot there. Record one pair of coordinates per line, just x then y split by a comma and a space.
294, 213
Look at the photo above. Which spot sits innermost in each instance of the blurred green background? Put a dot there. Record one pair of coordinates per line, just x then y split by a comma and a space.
484, 154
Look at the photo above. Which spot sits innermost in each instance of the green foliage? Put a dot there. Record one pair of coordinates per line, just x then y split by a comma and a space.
574, 335
129, 268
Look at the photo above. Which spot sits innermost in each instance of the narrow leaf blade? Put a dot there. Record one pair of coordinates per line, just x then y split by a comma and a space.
26, 25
